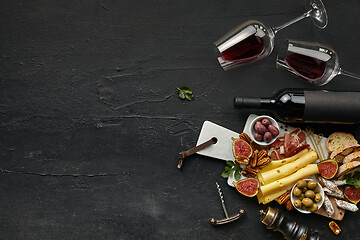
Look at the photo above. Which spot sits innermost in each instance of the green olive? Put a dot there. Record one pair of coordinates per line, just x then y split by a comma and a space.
297, 192
307, 202
312, 184
301, 183
304, 189
314, 207
318, 197
302, 196
317, 189
297, 203
309, 194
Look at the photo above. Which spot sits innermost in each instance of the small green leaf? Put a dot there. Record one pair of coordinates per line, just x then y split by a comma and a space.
185, 92
186, 89
227, 168
237, 175
230, 163
225, 174
189, 96
353, 179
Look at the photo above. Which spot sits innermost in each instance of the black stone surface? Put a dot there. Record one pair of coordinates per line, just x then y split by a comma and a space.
91, 124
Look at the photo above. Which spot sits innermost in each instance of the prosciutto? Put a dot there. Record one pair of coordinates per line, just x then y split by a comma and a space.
288, 145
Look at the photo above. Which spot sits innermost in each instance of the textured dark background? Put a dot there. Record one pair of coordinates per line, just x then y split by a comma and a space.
91, 124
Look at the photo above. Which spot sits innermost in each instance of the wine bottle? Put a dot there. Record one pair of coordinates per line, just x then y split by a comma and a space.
307, 105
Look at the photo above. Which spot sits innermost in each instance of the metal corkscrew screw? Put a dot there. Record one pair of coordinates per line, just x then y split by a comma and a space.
227, 219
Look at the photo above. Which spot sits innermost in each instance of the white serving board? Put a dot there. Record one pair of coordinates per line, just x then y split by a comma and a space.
223, 148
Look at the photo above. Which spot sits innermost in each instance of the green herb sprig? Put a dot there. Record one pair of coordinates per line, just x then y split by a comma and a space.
353, 179
232, 168
185, 92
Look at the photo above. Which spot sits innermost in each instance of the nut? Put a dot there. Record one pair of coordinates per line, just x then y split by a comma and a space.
288, 205
249, 172
245, 137
334, 227
254, 159
263, 153
255, 146
242, 160
284, 198
263, 162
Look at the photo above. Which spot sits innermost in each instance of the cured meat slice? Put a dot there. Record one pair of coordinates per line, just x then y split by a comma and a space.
295, 142
276, 150
288, 145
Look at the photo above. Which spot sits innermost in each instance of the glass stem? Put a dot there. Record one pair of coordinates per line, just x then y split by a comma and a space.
349, 74
305, 15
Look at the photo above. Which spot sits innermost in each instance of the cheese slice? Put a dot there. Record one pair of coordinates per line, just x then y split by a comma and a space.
287, 169
278, 163
286, 182
268, 198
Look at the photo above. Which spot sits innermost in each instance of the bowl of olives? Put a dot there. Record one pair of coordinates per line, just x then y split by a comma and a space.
264, 130
307, 196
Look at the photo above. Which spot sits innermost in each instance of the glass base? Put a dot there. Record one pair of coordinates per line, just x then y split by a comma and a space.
318, 14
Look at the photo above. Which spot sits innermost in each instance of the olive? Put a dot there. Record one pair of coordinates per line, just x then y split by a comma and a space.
258, 137
297, 192
317, 189
266, 122
297, 203
304, 189
314, 207
318, 197
301, 183
273, 130
302, 196
309, 194
312, 184
267, 137
260, 128
307, 202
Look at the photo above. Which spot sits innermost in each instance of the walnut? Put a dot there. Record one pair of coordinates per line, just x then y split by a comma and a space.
284, 198
263, 162
254, 159
242, 160
249, 172
245, 137
263, 153
288, 205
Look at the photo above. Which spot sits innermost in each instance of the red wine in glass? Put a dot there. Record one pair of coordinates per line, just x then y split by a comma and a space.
310, 68
253, 41
315, 63
246, 50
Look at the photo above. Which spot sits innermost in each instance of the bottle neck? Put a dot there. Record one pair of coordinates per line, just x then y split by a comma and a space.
246, 102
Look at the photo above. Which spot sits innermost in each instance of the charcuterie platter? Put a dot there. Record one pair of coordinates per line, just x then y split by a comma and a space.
277, 179
223, 148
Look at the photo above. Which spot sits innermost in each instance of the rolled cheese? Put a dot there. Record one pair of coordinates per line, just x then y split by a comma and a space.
273, 196
278, 163
268, 198
286, 182
287, 169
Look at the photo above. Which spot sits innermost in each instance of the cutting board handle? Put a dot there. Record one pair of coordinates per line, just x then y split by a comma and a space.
182, 155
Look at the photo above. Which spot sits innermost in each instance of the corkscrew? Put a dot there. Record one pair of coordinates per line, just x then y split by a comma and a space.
227, 219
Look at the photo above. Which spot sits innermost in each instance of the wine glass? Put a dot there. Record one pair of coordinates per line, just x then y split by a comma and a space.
315, 63
253, 41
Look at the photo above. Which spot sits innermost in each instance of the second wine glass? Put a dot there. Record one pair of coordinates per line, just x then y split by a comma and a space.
315, 63
253, 41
